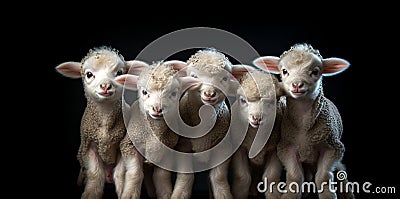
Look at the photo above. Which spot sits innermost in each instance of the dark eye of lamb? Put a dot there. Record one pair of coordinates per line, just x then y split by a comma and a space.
314, 71
225, 78
89, 74
284, 71
119, 73
144, 92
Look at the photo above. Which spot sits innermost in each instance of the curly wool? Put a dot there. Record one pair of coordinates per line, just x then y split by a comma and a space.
157, 77
210, 60
258, 84
299, 51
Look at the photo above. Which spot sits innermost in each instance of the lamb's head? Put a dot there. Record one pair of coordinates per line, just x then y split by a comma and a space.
159, 87
256, 94
213, 69
301, 69
98, 70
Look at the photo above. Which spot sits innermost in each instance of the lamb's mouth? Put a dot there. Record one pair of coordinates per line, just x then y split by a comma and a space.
298, 93
209, 101
156, 116
255, 124
106, 94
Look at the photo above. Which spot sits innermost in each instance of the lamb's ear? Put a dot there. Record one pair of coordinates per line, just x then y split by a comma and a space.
189, 82
70, 69
128, 80
179, 66
135, 66
268, 63
241, 69
333, 66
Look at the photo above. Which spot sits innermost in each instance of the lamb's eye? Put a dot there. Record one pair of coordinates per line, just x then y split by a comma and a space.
284, 71
173, 94
144, 92
242, 100
119, 73
315, 71
89, 75
225, 78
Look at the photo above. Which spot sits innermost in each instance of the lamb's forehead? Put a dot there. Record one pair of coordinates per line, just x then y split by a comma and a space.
256, 85
158, 76
103, 57
209, 60
301, 55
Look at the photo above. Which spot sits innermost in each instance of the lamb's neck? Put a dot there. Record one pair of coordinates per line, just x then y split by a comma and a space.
304, 111
107, 109
157, 126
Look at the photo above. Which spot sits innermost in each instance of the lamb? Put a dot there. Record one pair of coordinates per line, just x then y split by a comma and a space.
213, 69
102, 127
257, 98
147, 132
310, 145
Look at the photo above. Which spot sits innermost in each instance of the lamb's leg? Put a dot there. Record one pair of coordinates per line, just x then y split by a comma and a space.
324, 175
183, 186
119, 176
272, 172
294, 172
219, 181
133, 176
162, 182
184, 181
95, 175
81, 177
241, 174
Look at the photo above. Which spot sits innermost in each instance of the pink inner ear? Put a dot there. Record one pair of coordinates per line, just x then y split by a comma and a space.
334, 66
268, 63
136, 67
239, 71
129, 81
70, 69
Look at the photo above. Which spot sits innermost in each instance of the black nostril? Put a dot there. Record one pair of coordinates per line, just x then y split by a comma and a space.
157, 110
105, 86
255, 118
209, 94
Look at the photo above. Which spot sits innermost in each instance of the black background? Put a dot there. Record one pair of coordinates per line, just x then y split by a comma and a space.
364, 93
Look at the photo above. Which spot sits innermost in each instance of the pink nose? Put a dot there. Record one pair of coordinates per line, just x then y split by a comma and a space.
209, 94
157, 110
105, 86
297, 84
256, 119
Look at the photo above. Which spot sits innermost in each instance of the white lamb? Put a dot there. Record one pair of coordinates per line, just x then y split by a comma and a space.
257, 98
310, 146
213, 69
102, 124
158, 93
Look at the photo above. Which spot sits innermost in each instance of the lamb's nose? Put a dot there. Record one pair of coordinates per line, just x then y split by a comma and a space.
256, 118
157, 110
297, 84
209, 94
105, 86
